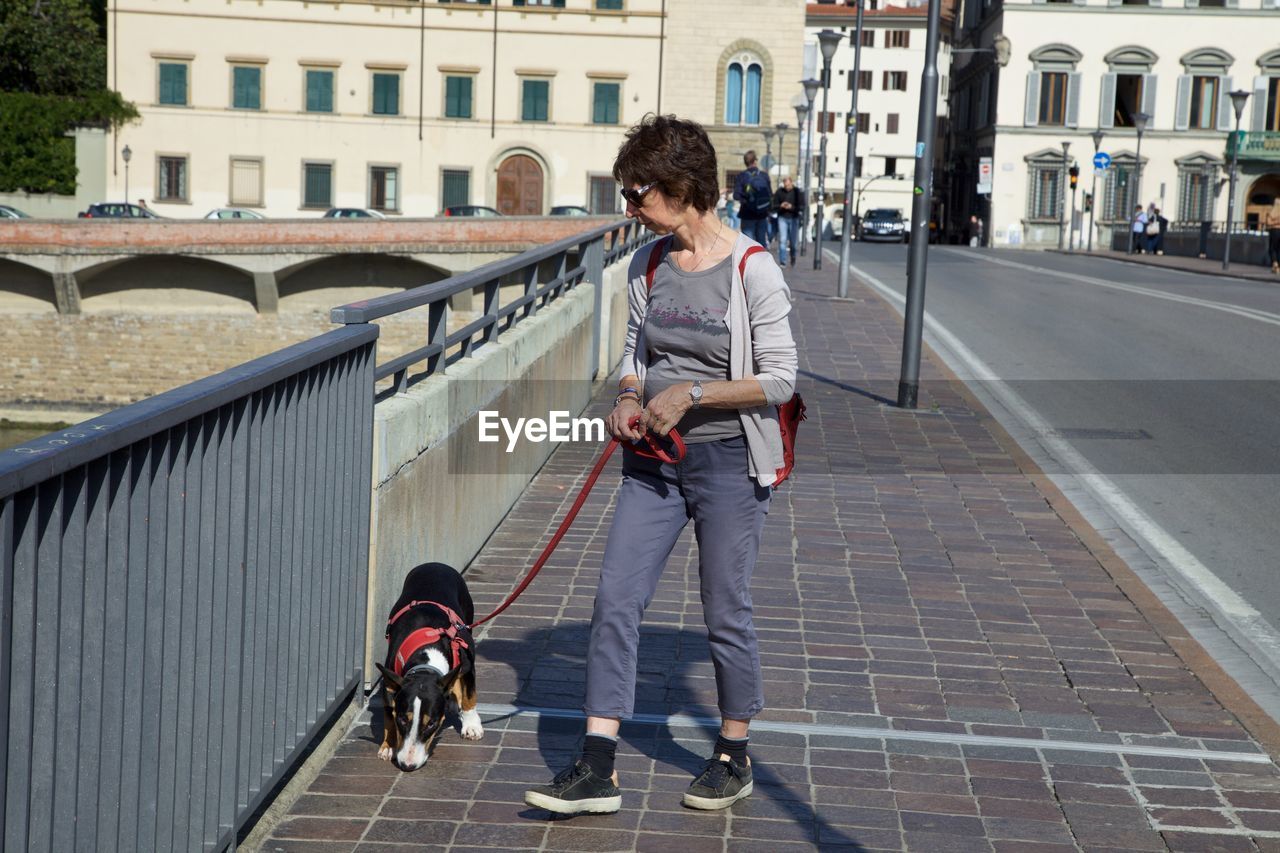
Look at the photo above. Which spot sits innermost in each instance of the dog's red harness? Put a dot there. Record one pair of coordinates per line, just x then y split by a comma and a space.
423, 637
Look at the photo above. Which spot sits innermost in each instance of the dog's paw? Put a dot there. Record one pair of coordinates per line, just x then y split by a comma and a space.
386, 752
471, 728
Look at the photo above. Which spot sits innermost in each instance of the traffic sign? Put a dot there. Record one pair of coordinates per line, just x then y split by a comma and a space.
1101, 160
984, 175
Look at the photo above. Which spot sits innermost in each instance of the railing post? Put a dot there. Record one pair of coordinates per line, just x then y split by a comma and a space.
593, 260
492, 288
437, 332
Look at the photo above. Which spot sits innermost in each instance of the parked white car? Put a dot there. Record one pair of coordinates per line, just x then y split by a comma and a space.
234, 213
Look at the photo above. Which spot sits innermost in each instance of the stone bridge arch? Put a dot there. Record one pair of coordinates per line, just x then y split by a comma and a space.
165, 284
25, 289
321, 283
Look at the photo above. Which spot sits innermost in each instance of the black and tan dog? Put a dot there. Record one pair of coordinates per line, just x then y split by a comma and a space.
430, 661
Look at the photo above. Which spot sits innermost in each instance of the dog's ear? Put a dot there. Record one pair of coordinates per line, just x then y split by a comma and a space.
393, 681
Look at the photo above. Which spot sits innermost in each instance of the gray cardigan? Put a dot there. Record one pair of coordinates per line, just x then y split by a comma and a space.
760, 346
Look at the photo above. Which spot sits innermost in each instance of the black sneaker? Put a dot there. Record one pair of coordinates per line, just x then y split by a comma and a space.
576, 790
721, 784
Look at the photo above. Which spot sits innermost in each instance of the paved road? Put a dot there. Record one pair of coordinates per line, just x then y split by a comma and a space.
1165, 382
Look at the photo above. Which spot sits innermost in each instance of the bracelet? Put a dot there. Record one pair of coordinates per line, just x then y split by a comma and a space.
628, 394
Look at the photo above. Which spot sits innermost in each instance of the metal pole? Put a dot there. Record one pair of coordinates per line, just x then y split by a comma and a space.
1137, 190
1072, 242
913, 326
1231, 193
822, 166
850, 159
1093, 206
808, 175
1062, 201
802, 175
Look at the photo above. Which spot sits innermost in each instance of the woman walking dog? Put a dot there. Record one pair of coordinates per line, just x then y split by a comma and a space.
708, 349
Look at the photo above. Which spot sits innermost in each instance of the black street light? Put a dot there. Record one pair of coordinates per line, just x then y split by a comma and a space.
781, 127
1093, 188
1238, 98
1140, 124
768, 149
126, 155
811, 87
1062, 199
802, 174
828, 41
850, 159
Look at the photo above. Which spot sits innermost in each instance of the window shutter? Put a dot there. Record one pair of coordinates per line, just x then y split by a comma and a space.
1107, 101
1073, 99
464, 97
166, 85
1031, 118
240, 95
1258, 120
1225, 113
1182, 111
1149, 96
246, 182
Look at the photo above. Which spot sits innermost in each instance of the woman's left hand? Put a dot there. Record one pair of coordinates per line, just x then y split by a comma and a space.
666, 408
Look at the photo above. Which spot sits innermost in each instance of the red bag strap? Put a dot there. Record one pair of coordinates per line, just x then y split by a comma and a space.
655, 257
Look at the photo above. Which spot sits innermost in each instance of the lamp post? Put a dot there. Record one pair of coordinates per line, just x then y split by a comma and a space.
126, 155
1207, 179
850, 159
781, 127
1140, 124
1062, 199
1093, 187
857, 208
802, 113
1238, 98
768, 149
828, 40
810, 92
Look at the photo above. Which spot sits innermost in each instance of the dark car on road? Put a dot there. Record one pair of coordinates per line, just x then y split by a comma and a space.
117, 210
351, 213
469, 210
883, 223
569, 210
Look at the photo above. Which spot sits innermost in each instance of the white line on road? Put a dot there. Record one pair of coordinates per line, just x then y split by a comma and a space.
1240, 620
1225, 307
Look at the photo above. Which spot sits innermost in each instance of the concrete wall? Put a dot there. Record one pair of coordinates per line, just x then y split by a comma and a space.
91, 181
438, 493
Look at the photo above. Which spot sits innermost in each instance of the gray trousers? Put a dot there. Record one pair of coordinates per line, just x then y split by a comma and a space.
712, 487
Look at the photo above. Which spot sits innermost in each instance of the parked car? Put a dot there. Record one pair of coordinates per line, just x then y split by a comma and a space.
469, 210
7, 212
570, 210
883, 223
234, 213
352, 213
117, 210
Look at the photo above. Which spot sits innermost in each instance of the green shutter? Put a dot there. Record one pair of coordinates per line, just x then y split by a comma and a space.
535, 101
173, 84
319, 91
616, 5
457, 97
456, 189
386, 94
246, 88
605, 106
317, 189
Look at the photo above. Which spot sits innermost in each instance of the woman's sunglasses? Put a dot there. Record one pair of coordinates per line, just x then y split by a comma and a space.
636, 197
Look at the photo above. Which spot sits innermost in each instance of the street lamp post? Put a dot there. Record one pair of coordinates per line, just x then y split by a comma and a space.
828, 40
1140, 124
1238, 99
1093, 187
1062, 199
810, 92
857, 207
781, 127
802, 114
850, 159
126, 155
768, 149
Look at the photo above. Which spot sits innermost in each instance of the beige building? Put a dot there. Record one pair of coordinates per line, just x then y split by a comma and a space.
290, 107
1077, 67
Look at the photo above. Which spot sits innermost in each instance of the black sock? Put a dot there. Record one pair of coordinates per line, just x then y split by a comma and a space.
735, 748
598, 751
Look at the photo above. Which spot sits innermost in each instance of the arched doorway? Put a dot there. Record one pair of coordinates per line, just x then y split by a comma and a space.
520, 186
1262, 193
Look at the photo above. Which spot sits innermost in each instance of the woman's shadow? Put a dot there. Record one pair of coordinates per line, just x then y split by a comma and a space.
674, 678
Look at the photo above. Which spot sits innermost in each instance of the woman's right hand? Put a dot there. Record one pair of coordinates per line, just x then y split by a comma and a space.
619, 421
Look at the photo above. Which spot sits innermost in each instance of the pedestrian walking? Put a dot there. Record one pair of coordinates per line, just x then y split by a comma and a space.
786, 203
1139, 227
1162, 226
755, 198
1271, 221
708, 349
1152, 229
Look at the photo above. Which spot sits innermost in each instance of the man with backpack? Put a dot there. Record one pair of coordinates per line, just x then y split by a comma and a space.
754, 195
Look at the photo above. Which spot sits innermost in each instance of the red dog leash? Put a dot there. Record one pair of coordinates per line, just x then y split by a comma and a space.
653, 450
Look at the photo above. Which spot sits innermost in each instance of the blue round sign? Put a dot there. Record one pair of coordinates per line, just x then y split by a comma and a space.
1101, 160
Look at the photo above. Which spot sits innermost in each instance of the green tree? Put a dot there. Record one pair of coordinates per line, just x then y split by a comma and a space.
50, 47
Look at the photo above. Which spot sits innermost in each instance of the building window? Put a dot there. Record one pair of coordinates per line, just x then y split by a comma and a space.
1128, 99
864, 81
609, 5
897, 38
384, 188
558, 4
246, 87
172, 180
1271, 121
1204, 102
857, 167
891, 165
386, 93
1044, 198
173, 84
864, 122
246, 182
1194, 203
891, 123
1118, 196
317, 185
604, 102
319, 91
743, 82
455, 187
535, 100
605, 200
869, 37
1053, 97
825, 122
895, 81
458, 96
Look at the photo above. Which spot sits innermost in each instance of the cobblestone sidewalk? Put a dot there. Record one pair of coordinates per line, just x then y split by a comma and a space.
948, 667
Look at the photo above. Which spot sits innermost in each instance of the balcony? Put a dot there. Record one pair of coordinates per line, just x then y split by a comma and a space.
1264, 145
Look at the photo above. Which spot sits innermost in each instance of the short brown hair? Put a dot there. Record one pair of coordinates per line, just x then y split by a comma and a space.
676, 155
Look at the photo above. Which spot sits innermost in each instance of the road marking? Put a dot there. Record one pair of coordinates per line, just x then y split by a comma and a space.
493, 712
1231, 613
1225, 307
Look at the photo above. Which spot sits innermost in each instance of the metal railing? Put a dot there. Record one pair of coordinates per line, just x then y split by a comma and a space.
1254, 145
182, 601
544, 273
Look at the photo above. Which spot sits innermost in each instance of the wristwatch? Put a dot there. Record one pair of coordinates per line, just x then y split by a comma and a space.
695, 393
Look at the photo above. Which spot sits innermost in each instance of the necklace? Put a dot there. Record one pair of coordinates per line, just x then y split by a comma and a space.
694, 266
